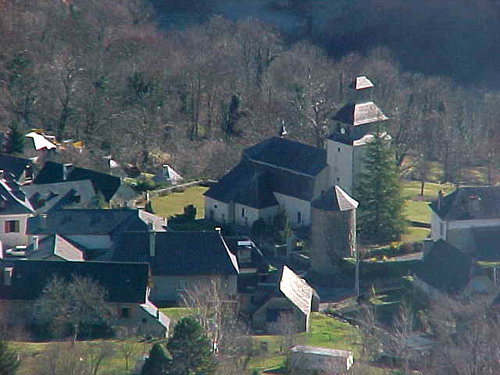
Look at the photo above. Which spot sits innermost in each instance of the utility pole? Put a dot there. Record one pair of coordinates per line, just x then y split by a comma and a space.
356, 277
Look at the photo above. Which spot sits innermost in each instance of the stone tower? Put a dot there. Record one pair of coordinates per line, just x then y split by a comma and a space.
333, 230
352, 128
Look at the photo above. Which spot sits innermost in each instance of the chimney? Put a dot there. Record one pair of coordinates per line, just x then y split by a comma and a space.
42, 221
66, 170
428, 243
152, 244
474, 206
440, 199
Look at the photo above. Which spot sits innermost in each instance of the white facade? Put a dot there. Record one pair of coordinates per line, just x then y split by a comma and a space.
246, 215
13, 230
346, 162
440, 228
217, 211
297, 210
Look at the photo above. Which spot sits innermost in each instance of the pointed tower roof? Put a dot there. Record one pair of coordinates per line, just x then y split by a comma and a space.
362, 82
335, 199
360, 114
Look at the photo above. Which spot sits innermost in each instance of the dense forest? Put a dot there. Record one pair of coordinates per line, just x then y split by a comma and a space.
106, 73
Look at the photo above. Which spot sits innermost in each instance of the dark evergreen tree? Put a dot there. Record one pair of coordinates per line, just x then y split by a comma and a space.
190, 349
15, 139
156, 364
379, 194
8, 360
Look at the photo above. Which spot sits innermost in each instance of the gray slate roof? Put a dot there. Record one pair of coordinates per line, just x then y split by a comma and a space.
60, 194
103, 183
178, 253
287, 154
446, 268
487, 243
14, 164
253, 183
335, 199
470, 203
56, 247
12, 199
357, 114
296, 290
124, 282
92, 221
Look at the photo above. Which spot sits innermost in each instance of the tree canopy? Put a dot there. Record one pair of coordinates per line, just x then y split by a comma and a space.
8, 360
379, 193
190, 349
80, 301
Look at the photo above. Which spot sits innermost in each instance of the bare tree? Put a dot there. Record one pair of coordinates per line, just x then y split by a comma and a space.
217, 312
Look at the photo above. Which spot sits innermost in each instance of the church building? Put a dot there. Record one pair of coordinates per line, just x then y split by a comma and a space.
279, 173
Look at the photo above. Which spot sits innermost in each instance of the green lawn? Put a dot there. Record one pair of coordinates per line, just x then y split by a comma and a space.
411, 190
32, 354
177, 313
415, 234
174, 203
324, 331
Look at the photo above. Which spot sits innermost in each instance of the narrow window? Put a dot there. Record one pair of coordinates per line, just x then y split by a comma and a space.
338, 149
215, 206
242, 212
299, 217
338, 179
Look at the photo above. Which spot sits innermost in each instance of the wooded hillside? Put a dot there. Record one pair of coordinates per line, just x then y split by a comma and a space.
103, 72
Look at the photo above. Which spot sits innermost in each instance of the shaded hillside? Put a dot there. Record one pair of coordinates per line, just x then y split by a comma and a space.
456, 38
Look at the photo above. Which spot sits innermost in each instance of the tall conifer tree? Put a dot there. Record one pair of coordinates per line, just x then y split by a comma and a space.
381, 204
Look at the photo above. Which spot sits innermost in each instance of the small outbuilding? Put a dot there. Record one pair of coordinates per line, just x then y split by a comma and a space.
287, 306
315, 360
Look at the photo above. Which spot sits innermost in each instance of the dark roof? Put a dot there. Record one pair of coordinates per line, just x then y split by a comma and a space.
89, 221
103, 183
243, 243
56, 247
48, 197
291, 155
14, 164
470, 203
12, 198
254, 184
125, 282
335, 199
487, 243
178, 253
360, 114
446, 268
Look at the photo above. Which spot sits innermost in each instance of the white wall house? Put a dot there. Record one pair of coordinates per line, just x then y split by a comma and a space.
15, 209
465, 208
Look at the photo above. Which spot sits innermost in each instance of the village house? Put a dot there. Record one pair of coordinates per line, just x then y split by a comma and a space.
20, 168
110, 188
281, 173
284, 304
68, 194
455, 215
180, 261
126, 284
91, 230
15, 210
446, 270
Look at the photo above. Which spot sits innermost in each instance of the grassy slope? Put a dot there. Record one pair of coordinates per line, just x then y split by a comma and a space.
114, 364
417, 206
174, 203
